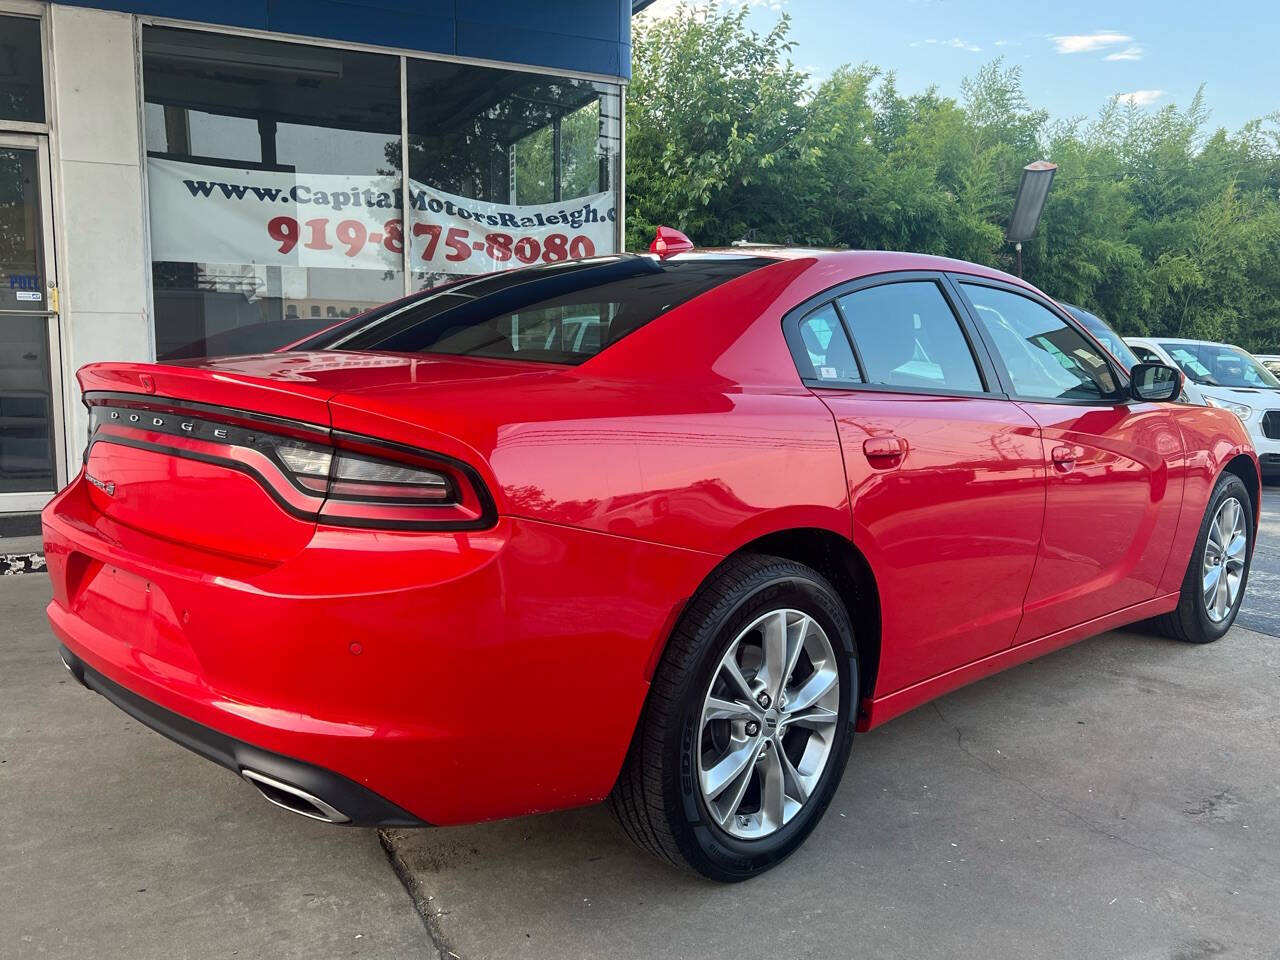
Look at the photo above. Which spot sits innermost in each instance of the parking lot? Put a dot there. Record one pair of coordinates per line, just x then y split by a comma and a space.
1115, 799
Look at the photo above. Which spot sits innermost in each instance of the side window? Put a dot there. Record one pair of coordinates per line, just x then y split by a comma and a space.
1145, 355
908, 336
824, 347
1045, 357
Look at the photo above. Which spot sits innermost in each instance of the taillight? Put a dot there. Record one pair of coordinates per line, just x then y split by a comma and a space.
380, 484
332, 476
360, 478
309, 465
355, 477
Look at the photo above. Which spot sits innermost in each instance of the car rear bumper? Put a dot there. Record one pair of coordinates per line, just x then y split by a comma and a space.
301, 787
455, 677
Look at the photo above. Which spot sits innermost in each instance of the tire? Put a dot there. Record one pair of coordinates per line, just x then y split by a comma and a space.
1193, 621
661, 797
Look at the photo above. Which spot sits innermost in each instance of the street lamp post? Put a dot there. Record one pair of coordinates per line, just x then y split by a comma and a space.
1028, 204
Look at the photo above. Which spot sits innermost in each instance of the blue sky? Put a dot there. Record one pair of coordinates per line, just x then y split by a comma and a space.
1074, 56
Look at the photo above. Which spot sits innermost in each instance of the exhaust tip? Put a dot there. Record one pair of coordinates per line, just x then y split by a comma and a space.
73, 668
294, 799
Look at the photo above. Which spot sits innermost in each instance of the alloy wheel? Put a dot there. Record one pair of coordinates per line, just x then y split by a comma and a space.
1224, 560
768, 724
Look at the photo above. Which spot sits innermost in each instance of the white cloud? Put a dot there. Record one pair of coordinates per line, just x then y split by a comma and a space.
957, 42
1131, 52
1140, 98
1089, 42
1008, 43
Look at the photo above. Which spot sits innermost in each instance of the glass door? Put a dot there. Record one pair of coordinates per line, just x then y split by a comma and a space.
30, 394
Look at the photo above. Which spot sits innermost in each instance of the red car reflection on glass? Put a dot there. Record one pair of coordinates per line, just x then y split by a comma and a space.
665, 529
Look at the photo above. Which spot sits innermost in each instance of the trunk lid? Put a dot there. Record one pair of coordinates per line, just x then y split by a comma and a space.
292, 386
179, 451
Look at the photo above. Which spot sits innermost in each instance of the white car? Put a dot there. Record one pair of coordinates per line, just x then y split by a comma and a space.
1269, 360
1220, 375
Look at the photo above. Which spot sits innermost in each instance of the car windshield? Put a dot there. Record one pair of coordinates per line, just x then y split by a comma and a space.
1220, 365
1104, 335
560, 313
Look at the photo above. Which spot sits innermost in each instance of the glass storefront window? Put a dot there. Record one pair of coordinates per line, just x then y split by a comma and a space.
274, 188
508, 168
21, 70
279, 197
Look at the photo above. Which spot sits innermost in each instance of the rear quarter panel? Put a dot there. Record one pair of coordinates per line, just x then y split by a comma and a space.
684, 465
626, 497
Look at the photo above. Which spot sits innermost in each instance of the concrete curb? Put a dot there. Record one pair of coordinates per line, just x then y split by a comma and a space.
417, 896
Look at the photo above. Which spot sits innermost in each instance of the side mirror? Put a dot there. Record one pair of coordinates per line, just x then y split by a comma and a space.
1155, 382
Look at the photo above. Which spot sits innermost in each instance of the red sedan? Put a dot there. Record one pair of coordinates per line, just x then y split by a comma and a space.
665, 529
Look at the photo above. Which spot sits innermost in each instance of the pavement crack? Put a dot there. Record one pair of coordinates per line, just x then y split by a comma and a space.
412, 887
1062, 808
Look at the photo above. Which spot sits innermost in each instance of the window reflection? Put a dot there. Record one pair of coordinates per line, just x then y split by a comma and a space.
1043, 357
508, 169
274, 205
279, 200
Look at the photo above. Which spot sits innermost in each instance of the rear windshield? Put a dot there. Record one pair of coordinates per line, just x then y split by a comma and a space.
561, 313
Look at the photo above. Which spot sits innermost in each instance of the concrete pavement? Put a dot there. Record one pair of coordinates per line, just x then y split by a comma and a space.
116, 843
1117, 799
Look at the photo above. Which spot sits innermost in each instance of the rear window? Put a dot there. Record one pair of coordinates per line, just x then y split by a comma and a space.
561, 313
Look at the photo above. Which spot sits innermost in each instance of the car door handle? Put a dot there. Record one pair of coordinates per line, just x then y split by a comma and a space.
884, 451
1065, 457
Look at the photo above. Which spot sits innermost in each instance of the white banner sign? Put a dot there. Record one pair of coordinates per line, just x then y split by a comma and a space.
208, 214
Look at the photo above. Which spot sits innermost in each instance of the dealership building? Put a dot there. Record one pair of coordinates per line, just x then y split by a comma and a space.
182, 178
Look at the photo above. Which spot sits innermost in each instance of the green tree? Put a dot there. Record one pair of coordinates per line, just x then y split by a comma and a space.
1157, 222
715, 128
